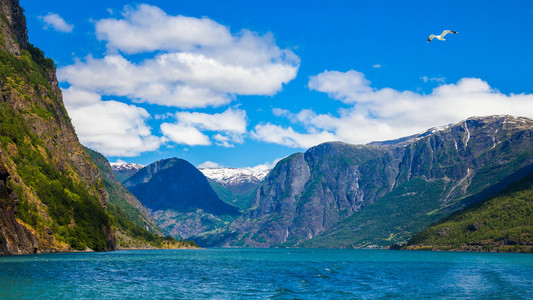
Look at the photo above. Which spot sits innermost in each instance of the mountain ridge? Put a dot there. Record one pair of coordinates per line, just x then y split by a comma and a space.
237, 180
337, 182
177, 170
180, 198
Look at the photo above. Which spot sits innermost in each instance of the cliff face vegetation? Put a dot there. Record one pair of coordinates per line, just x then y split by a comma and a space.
52, 197
502, 223
135, 227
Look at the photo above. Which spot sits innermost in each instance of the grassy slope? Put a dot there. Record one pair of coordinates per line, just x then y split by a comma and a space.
126, 218
501, 223
239, 200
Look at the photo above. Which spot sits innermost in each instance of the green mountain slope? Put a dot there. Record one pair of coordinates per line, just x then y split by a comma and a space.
52, 197
135, 226
240, 199
501, 223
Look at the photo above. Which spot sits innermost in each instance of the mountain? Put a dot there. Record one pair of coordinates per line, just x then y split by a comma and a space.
135, 226
180, 198
502, 223
341, 195
234, 179
123, 171
52, 197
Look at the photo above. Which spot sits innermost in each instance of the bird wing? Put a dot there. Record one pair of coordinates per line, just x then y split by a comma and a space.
431, 37
446, 32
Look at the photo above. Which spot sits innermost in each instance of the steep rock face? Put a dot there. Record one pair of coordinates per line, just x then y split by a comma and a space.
15, 23
48, 117
180, 198
41, 154
14, 237
275, 204
382, 193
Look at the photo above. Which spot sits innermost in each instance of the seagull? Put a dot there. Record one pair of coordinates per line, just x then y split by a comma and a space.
441, 36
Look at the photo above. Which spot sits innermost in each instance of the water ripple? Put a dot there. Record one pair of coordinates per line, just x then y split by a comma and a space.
267, 273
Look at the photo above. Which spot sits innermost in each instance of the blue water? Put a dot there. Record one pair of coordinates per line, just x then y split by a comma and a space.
268, 273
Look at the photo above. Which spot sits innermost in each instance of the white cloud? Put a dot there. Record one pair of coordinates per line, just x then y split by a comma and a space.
185, 135
202, 65
75, 97
230, 126
341, 86
225, 141
110, 127
231, 120
376, 66
148, 28
381, 114
56, 22
186, 62
264, 167
209, 165
288, 137
279, 112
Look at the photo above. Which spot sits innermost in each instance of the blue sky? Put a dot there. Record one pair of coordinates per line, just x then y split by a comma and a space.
244, 83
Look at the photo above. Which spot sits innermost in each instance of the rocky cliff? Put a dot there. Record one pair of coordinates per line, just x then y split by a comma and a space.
49, 183
340, 195
15, 33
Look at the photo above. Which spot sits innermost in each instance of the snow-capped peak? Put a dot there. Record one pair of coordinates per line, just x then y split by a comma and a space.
121, 166
234, 176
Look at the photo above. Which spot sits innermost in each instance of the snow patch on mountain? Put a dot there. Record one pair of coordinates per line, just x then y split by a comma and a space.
234, 176
122, 166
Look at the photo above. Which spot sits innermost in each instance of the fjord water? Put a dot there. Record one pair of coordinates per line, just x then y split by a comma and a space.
267, 273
